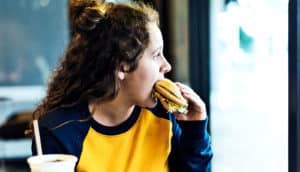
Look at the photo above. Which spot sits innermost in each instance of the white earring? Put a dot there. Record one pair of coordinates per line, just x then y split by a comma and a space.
121, 75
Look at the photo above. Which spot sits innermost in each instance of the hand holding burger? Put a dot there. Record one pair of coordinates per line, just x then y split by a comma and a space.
180, 99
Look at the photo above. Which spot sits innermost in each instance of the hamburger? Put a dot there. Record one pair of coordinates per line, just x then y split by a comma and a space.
170, 96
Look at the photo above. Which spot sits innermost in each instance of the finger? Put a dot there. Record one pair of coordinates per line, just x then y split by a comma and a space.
192, 97
189, 92
195, 101
182, 86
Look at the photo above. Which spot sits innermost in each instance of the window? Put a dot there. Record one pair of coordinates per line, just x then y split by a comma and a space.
249, 96
179, 13
33, 36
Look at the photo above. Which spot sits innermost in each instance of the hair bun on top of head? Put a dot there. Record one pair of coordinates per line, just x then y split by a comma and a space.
84, 15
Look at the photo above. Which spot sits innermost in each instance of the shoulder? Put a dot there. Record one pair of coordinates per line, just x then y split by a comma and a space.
63, 115
64, 129
160, 112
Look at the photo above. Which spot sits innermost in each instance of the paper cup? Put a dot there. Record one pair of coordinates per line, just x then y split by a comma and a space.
52, 163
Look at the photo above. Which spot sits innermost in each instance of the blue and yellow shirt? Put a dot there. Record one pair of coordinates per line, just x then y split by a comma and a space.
150, 140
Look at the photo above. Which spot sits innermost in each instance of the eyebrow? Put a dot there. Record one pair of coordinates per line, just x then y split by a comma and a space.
156, 49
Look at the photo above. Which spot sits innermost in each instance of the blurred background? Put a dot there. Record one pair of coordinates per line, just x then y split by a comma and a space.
234, 53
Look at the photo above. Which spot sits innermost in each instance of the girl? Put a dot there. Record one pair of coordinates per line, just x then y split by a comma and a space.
99, 105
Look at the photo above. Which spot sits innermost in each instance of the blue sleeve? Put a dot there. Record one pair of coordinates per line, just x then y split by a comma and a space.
50, 144
191, 147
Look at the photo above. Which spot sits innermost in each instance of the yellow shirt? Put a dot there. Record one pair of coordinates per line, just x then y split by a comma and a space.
150, 140
143, 148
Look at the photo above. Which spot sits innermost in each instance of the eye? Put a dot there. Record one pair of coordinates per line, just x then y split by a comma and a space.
156, 55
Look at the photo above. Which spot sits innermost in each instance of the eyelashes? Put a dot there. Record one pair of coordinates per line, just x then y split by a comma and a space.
156, 56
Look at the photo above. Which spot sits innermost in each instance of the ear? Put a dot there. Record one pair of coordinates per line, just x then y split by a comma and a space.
122, 71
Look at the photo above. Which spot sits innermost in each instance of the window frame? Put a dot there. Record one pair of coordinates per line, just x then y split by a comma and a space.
294, 86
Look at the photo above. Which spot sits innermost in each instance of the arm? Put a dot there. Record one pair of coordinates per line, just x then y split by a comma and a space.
191, 147
191, 144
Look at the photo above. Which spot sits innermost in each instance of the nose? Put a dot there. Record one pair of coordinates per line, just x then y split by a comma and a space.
165, 66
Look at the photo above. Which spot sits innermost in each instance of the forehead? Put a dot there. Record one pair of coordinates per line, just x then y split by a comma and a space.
155, 36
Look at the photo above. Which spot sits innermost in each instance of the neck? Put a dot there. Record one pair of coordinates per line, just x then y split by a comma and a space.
110, 113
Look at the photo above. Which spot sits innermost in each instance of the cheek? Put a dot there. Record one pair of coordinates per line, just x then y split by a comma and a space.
149, 73
146, 77
146, 80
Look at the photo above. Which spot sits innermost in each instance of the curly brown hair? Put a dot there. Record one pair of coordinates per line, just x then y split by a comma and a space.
104, 38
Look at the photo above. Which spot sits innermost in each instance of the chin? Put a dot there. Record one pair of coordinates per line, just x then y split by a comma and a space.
150, 103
